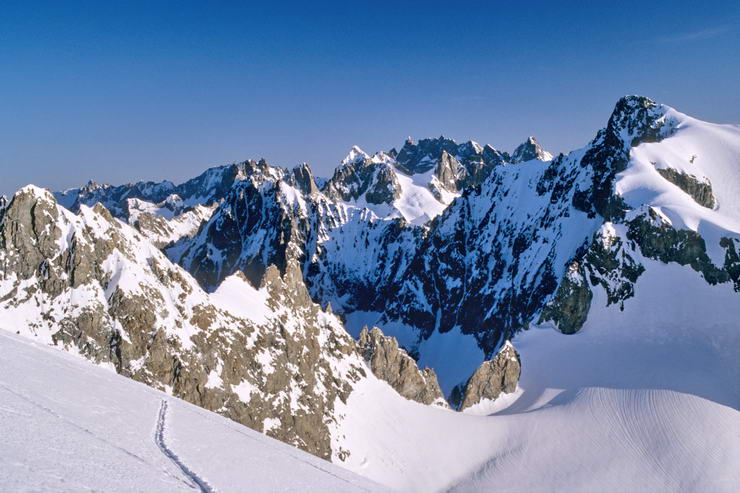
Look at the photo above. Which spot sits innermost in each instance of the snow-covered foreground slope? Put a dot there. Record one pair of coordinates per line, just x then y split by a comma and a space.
644, 399
67, 425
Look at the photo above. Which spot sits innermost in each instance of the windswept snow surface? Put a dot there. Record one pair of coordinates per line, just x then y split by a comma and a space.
67, 425
707, 151
241, 299
641, 400
417, 204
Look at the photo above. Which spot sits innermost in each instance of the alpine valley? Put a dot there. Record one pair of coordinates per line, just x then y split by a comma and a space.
443, 317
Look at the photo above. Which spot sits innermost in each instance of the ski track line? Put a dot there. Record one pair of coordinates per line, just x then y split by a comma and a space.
228, 423
197, 481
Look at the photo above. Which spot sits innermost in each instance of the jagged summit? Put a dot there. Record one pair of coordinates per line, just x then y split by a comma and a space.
303, 179
530, 149
355, 155
415, 183
419, 158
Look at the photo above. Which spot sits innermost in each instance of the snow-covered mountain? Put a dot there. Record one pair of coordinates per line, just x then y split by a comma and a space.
613, 270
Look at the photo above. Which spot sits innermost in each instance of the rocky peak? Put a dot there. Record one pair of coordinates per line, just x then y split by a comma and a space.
92, 186
29, 226
355, 155
636, 117
288, 286
135, 310
469, 148
500, 374
393, 365
302, 178
374, 178
530, 149
448, 171
493, 155
421, 157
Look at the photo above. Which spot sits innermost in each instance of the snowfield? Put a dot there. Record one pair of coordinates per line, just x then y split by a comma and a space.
640, 400
67, 425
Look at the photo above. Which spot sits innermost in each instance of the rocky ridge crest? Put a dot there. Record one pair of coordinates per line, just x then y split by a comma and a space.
392, 364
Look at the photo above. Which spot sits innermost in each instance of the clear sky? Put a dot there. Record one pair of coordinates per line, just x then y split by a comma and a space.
120, 91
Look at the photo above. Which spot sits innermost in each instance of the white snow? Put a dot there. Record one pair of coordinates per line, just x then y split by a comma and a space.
67, 425
417, 204
355, 154
707, 151
214, 380
640, 400
236, 296
492, 406
644, 399
244, 390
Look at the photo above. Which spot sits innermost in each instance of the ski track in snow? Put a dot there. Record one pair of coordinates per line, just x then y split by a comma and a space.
197, 481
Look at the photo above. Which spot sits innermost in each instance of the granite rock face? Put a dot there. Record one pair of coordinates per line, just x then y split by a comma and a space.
394, 365
493, 377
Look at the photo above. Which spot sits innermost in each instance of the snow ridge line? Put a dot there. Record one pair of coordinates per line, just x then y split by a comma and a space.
197, 481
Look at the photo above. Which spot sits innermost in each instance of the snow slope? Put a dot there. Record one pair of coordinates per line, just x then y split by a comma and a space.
67, 425
640, 400
706, 151
417, 204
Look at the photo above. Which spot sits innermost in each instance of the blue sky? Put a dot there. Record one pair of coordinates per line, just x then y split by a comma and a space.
121, 91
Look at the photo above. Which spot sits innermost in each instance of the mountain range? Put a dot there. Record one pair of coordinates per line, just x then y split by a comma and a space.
443, 317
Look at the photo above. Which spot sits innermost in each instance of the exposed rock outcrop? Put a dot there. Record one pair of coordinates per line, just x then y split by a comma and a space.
569, 308
392, 364
700, 191
302, 178
448, 172
493, 377
658, 239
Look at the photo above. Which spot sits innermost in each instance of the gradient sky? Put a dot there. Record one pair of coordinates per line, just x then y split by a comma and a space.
121, 91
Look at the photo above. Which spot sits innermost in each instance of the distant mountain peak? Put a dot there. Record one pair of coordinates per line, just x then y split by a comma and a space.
528, 150
355, 155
